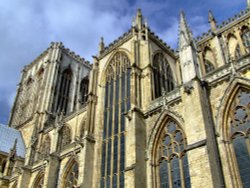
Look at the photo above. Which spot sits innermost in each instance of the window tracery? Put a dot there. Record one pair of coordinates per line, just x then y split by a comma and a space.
172, 162
239, 122
163, 77
116, 103
71, 177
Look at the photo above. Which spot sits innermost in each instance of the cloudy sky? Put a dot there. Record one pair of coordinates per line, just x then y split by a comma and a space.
28, 26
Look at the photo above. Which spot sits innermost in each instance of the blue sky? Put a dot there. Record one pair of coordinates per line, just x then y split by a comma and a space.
28, 26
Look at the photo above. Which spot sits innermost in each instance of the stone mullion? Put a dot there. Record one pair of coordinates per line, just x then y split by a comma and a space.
170, 174
57, 89
182, 171
119, 129
65, 95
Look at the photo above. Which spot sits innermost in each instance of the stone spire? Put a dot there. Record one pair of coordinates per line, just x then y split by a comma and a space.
101, 45
187, 51
212, 21
185, 35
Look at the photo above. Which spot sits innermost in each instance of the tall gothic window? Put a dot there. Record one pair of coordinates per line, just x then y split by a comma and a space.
171, 159
71, 176
39, 181
163, 77
84, 90
45, 148
64, 137
116, 103
246, 37
64, 91
239, 120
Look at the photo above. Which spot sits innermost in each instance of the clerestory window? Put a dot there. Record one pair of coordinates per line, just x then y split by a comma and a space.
163, 77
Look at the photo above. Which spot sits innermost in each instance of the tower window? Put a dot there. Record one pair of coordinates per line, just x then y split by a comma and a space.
64, 91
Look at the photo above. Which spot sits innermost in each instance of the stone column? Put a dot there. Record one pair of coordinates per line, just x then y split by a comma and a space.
24, 179
135, 171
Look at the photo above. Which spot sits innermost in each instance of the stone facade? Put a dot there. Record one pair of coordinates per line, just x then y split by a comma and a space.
150, 116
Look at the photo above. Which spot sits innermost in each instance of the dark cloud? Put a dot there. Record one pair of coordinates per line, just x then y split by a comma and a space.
28, 26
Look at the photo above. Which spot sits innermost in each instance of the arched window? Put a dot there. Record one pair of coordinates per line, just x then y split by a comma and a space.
172, 168
239, 122
246, 36
39, 181
84, 90
64, 91
65, 137
163, 77
209, 60
237, 52
45, 148
116, 103
71, 176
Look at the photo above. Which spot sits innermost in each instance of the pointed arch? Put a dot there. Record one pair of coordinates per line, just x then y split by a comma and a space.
163, 80
245, 35
234, 122
14, 184
70, 174
39, 180
166, 151
233, 46
209, 60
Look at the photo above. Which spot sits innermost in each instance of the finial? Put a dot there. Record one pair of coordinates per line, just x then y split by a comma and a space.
212, 21
139, 19
185, 35
248, 4
101, 45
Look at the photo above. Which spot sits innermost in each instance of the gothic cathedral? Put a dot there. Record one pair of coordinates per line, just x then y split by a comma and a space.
140, 116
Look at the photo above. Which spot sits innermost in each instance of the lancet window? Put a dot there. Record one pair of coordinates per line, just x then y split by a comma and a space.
239, 122
64, 91
172, 169
163, 77
116, 103
84, 90
71, 176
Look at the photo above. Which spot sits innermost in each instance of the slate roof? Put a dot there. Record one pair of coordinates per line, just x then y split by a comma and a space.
7, 139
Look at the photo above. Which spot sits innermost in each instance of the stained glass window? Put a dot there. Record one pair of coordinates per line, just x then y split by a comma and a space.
163, 77
240, 133
116, 103
173, 163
